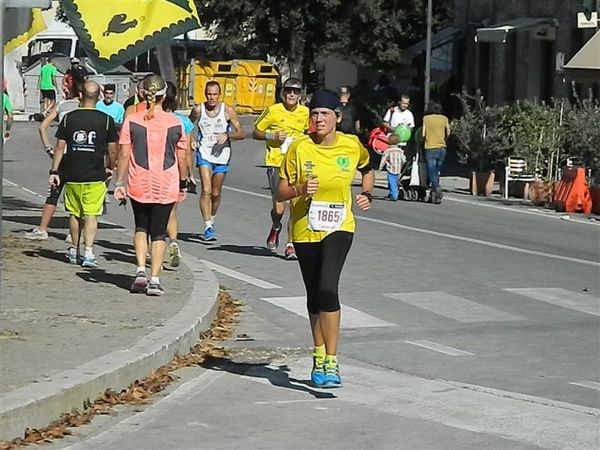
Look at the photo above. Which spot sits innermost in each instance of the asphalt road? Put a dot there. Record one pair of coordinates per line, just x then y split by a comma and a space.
465, 325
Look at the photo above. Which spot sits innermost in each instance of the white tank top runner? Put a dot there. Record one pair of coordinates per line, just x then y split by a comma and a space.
209, 128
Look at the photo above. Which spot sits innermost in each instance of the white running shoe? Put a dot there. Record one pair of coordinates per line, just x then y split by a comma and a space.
36, 235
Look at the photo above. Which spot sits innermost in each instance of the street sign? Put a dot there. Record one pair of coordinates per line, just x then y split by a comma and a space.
584, 22
44, 4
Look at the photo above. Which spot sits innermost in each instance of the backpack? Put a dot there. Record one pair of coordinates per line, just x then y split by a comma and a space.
378, 140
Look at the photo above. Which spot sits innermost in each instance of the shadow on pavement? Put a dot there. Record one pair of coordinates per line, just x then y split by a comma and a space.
120, 257
48, 254
278, 377
16, 204
118, 246
247, 250
57, 222
101, 276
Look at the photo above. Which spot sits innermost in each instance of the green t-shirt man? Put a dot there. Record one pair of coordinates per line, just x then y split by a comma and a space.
47, 74
6, 105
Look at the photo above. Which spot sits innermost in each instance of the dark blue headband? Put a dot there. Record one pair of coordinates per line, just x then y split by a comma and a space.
325, 99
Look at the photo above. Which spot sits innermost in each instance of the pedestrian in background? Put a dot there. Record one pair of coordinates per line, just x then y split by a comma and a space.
152, 152
436, 130
350, 123
392, 160
76, 70
90, 137
48, 84
8, 111
316, 175
110, 106
399, 115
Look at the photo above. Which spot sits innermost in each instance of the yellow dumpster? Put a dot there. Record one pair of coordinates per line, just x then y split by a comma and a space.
219, 71
255, 85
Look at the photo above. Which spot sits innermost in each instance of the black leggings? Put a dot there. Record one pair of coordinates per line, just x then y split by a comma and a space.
321, 265
152, 219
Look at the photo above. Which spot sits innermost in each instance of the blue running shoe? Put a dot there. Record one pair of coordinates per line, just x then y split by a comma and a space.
332, 374
209, 235
317, 374
89, 261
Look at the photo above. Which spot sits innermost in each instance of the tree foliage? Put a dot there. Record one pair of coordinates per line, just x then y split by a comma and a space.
369, 32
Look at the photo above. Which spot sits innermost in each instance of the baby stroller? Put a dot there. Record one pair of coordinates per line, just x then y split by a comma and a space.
413, 178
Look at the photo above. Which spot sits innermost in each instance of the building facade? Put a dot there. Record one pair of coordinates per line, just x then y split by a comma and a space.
515, 49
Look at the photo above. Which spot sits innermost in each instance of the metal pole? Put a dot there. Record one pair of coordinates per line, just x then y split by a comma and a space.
428, 52
2, 2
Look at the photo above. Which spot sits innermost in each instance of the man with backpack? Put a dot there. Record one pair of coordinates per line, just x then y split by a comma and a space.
350, 123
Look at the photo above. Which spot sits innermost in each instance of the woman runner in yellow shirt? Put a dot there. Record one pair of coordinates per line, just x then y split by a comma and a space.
316, 175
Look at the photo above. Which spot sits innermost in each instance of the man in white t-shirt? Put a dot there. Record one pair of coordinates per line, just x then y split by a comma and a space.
399, 115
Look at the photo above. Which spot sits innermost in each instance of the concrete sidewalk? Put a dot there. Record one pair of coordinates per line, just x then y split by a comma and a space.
68, 333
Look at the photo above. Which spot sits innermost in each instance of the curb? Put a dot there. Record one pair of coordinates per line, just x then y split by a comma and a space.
38, 404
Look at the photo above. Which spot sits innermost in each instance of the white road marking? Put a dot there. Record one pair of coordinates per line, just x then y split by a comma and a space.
530, 211
155, 411
351, 317
240, 276
587, 384
452, 236
32, 192
430, 345
562, 297
453, 307
283, 402
480, 242
241, 191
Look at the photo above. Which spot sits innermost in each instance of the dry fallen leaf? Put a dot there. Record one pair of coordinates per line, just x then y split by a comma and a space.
139, 391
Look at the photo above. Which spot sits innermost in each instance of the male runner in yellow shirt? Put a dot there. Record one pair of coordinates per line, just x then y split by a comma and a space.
279, 125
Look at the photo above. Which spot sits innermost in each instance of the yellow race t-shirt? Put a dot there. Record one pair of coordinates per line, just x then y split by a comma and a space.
277, 118
334, 166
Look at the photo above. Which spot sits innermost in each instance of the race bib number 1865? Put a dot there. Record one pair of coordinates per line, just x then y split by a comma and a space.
326, 216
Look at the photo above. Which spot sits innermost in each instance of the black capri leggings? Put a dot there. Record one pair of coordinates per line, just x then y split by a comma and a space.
321, 265
152, 219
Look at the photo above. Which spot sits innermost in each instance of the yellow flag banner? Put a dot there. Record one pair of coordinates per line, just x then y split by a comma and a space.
20, 24
113, 32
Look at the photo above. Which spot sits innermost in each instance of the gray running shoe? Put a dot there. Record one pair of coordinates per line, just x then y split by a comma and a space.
140, 284
154, 290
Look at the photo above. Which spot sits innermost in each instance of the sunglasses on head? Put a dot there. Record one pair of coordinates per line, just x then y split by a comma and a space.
292, 90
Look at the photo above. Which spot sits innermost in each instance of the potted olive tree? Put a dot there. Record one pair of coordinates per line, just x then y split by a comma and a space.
532, 130
482, 142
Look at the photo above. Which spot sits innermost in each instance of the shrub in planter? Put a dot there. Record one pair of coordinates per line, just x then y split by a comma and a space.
580, 136
531, 130
480, 135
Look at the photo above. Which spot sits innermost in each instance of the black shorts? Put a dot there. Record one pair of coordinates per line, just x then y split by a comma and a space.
48, 93
152, 219
273, 177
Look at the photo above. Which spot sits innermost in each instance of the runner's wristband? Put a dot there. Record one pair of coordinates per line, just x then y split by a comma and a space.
368, 195
270, 136
182, 185
53, 172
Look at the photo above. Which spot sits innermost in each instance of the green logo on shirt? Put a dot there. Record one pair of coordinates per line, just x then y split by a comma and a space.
343, 162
